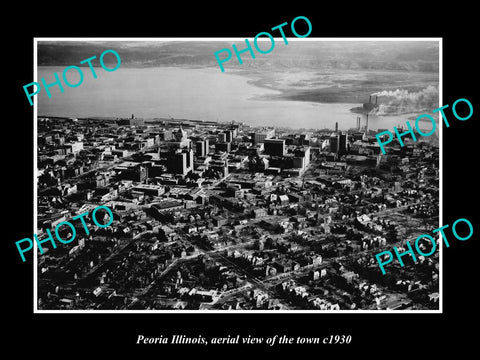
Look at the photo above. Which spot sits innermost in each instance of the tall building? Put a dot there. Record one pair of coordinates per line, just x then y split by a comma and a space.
180, 135
275, 147
222, 137
220, 163
259, 137
207, 146
301, 157
229, 135
201, 147
223, 146
334, 142
234, 130
180, 139
343, 143
180, 162
304, 139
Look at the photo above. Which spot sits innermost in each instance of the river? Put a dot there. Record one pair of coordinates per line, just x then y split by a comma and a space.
202, 94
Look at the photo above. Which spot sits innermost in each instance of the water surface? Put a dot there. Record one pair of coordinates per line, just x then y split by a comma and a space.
203, 94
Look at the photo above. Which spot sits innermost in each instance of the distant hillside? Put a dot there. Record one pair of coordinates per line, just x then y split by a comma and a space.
146, 55
409, 56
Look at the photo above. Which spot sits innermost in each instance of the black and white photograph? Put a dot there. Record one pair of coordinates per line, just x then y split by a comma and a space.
258, 188
215, 180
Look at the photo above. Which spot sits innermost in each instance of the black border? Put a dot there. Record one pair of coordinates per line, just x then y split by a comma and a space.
373, 334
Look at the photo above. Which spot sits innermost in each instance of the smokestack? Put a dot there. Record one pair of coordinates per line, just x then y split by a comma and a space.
366, 125
336, 127
370, 99
358, 122
133, 116
376, 98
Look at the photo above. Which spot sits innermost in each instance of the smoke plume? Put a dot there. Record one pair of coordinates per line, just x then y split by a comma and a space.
403, 102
